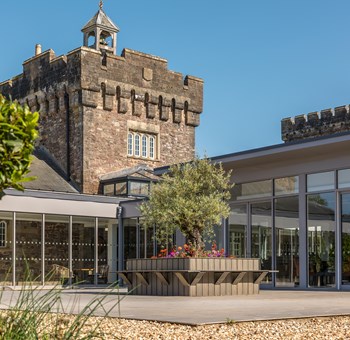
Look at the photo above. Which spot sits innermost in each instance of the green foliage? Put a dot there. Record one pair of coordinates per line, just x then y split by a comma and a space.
192, 197
17, 135
39, 313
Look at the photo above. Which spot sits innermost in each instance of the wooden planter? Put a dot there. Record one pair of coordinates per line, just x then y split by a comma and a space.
193, 276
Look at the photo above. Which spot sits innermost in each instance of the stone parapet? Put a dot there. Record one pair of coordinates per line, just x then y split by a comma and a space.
316, 124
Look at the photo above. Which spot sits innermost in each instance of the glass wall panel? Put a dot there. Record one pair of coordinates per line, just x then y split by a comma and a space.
286, 185
139, 188
56, 249
120, 188
130, 238
345, 238
108, 189
321, 239
28, 247
83, 249
6, 224
237, 230
320, 181
344, 178
146, 241
107, 250
287, 241
262, 234
251, 190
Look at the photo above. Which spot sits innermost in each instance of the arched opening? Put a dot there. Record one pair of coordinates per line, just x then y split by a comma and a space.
91, 40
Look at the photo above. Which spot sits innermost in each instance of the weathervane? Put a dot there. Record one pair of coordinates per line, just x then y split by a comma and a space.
101, 4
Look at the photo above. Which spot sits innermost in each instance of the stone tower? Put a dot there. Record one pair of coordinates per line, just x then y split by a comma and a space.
101, 112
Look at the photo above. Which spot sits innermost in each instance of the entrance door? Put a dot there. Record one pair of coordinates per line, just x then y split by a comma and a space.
345, 239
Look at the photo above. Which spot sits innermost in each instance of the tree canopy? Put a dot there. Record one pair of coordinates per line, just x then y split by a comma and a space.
17, 135
191, 197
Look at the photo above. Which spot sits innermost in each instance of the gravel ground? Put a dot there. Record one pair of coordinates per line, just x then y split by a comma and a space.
311, 328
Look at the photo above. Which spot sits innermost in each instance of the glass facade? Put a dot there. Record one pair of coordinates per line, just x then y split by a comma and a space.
57, 249
301, 231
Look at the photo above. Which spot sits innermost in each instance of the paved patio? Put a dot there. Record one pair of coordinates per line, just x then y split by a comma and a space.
267, 305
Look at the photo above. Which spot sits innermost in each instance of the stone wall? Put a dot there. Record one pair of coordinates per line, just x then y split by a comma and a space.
316, 124
88, 103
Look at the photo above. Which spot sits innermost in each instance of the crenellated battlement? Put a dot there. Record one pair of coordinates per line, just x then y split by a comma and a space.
315, 124
90, 101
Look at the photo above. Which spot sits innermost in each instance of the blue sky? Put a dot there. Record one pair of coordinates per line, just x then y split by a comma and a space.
261, 60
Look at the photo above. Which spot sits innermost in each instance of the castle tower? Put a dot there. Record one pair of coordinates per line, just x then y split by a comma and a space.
100, 112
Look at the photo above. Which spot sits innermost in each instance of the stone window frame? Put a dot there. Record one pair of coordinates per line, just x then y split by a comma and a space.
3, 234
135, 142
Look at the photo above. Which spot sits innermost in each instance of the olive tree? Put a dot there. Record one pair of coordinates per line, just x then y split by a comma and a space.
191, 197
17, 135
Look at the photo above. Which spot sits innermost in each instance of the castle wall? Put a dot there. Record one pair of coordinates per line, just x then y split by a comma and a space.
316, 124
90, 101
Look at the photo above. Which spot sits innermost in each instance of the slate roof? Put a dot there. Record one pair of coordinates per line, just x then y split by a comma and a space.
47, 178
101, 19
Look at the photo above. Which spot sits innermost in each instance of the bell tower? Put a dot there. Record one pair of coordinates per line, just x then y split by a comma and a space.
100, 33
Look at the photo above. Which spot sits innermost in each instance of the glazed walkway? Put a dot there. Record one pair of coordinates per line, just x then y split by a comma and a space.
198, 310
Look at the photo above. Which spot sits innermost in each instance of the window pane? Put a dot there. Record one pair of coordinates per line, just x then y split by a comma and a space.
251, 190
120, 188
144, 146
137, 145
139, 188
83, 248
286, 185
262, 235
56, 249
151, 147
320, 181
108, 189
344, 178
130, 144
28, 245
321, 239
238, 230
6, 250
287, 241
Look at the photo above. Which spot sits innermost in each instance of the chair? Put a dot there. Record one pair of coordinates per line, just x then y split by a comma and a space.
62, 272
102, 275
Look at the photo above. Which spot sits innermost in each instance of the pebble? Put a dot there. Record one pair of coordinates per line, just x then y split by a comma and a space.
337, 327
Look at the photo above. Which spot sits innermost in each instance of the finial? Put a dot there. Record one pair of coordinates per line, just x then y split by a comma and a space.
101, 4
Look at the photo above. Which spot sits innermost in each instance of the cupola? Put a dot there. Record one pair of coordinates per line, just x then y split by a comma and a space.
100, 33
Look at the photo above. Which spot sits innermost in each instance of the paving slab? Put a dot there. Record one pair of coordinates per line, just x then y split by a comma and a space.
268, 305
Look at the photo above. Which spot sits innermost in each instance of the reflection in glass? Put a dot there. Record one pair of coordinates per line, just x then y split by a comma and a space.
83, 249
108, 189
28, 245
286, 185
139, 188
56, 249
252, 190
321, 239
146, 241
106, 250
287, 241
262, 234
320, 181
344, 178
345, 238
130, 238
6, 220
120, 188
238, 230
